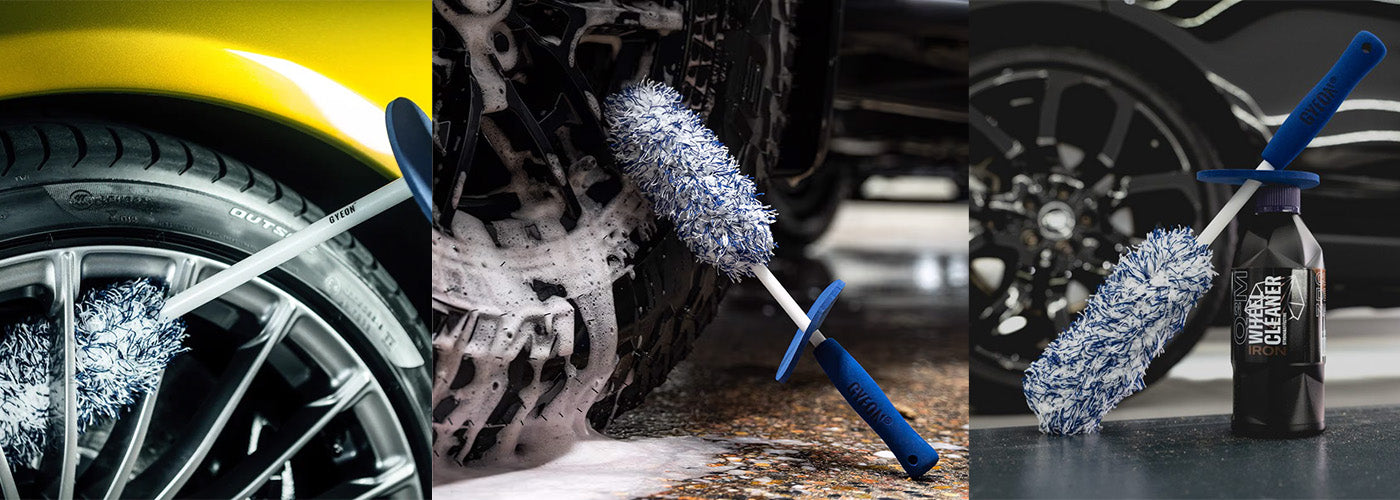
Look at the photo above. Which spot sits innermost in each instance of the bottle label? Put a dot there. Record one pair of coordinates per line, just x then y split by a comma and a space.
1278, 314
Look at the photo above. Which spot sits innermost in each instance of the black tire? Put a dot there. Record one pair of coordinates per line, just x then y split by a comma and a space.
595, 346
808, 207
998, 359
77, 183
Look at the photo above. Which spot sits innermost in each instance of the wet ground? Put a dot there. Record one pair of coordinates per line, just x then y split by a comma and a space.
902, 315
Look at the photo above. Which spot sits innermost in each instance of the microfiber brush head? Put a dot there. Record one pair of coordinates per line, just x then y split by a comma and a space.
1102, 357
689, 177
24, 389
121, 348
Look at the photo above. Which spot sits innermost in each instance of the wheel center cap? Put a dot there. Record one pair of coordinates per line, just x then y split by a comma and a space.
1056, 221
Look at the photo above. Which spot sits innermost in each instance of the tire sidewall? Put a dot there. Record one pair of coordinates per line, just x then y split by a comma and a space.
59, 207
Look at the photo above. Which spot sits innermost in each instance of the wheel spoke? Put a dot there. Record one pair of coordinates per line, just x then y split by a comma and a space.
1055, 85
401, 475
130, 456
1182, 183
62, 452
1124, 107
7, 480
186, 270
1159, 182
254, 471
109, 474
1009, 147
165, 477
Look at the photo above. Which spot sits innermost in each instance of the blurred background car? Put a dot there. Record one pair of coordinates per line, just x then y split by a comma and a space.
1084, 139
168, 140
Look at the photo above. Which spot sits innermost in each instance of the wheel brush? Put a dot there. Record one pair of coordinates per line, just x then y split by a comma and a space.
691, 179
120, 350
1102, 357
126, 333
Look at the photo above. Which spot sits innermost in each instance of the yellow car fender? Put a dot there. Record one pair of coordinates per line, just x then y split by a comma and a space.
327, 68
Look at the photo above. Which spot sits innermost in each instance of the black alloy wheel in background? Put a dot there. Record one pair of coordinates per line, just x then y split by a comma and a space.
1074, 159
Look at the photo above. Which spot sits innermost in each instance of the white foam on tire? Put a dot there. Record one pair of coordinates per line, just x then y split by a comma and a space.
594, 468
473, 273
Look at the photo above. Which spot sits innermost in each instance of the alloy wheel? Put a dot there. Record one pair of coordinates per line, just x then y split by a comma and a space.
269, 401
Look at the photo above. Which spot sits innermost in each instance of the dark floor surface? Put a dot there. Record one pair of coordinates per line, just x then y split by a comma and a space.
1193, 457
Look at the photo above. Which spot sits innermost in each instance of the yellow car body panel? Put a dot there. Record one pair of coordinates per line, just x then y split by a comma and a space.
327, 68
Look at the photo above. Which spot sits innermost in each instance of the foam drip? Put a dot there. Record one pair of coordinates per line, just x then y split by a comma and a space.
593, 468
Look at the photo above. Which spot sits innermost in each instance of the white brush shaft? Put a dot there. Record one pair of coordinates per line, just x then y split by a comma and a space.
1231, 208
785, 301
293, 245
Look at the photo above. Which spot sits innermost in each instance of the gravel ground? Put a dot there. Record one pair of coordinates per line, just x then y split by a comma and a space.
908, 327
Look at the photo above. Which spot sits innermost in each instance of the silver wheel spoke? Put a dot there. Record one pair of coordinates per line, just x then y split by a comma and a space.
174, 436
110, 472
107, 478
62, 449
393, 479
165, 477
254, 471
7, 480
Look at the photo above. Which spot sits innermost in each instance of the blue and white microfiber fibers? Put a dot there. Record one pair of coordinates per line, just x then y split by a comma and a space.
689, 177
1102, 357
121, 349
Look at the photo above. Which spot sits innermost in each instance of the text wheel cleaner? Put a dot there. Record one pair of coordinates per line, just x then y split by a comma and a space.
1278, 289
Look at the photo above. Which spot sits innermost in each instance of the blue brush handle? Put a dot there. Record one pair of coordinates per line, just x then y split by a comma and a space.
411, 139
1312, 113
913, 453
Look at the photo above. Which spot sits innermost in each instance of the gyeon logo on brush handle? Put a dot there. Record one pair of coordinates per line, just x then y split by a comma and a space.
1317, 107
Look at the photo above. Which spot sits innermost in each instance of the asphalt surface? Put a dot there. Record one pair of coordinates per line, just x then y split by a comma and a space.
902, 315
1192, 457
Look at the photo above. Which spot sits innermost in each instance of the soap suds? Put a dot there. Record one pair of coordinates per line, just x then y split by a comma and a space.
593, 468
531, 322
525, 333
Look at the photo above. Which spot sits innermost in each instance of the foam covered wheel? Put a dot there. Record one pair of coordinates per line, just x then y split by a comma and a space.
308, 381
559, 301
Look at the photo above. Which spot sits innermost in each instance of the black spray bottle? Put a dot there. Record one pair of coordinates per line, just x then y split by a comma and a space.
1278, 289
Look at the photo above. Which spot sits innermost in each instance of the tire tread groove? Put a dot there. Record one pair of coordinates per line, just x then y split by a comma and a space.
9, 147
44, 144
121, 148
